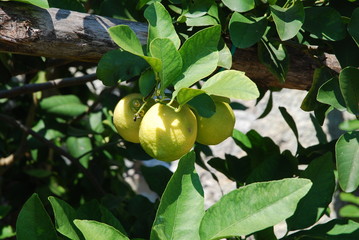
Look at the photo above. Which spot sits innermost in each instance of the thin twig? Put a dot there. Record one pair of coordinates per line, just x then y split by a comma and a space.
59, 150
58, 83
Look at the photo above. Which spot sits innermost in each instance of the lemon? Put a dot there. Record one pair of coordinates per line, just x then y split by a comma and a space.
124, 117
166, 134
218, 127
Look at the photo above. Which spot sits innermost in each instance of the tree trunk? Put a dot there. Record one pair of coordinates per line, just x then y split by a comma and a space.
64, 34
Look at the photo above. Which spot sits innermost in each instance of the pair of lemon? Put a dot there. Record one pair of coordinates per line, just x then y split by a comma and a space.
166, 134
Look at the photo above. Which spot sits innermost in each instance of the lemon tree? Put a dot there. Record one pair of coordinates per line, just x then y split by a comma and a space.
166, 134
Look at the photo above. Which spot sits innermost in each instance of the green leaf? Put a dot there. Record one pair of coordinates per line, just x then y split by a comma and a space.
64, 217
268, 107
186, 94
324, 23
39, 3
347, 52
147, 82
349, 86
118, 65
347, 156
182, 206
160, 24
65, 105
231, 84
203, 104
312, 207
321, 136
353, 26
288, 21
199, 55
239, 6
73, 5
163, 49
93, 230
252, 208
156, 177
205, 20
329, 93
80, 147
126, 38
349, 211
274, 56
337, 229
290, 121
225, 56
244, 31
350, 125
33, 222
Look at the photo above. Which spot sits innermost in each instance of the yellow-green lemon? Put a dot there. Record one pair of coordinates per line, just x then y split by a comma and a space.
166, 134
218, 127
124, 117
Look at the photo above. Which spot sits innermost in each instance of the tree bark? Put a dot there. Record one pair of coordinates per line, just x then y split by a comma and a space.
64, 34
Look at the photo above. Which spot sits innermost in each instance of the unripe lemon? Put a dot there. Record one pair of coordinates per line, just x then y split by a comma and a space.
218, 127
124, 117
167, 135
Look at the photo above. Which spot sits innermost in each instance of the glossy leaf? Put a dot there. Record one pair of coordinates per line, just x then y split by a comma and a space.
347, 156
39, 3
205, 20
199, 55
182, 205
126, 38
64, 105
324, 23
160, 24
93, 230
33, 222
186, 94
239, 6
118, 65
231, 84
353, 26
349, 86
244, 31
163, 49
288, 21
329, 93
251, 208
274, 56
313, 205
64, 217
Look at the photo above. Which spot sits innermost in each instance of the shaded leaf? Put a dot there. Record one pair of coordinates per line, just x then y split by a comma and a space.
329, 93
288, 21
33, 222
39, 3
203, 104
65, 105
353, 26
156, 177
347, 156
245, 31
349, 86
313, 205
324, 23
118, 65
